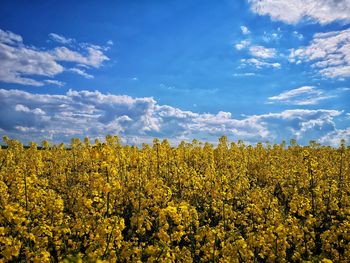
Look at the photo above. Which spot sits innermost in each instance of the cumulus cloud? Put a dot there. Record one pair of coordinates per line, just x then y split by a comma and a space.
334, 137
18, 62
10, 38
262, 52
22, 64
22, 108
31, 116
94, 56
300, 123
261, 56
328, 52
243, 44
321, 11
306, 95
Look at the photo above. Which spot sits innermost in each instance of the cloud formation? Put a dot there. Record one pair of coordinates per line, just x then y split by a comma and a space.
54, 82
242, 44
22, 64
81, 72
306, 95
261, 56
257, 63
262, 52
334, 137
299, 123
320, 11
7, 37
94, 57
328, 52
61, 39
94, 114
245, 30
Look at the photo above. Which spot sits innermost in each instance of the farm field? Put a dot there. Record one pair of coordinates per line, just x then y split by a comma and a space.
196, 202
249, 100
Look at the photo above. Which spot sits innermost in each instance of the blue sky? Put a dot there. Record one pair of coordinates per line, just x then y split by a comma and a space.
252, 70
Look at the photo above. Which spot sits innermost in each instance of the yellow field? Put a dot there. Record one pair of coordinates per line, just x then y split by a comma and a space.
190, 203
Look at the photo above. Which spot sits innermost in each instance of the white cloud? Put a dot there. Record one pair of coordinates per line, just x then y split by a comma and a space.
259, 63
245, 30
81, 72
61, 39
22, 108
306, 95
94, 56
321, 11
19, 62
7, 37
262, 52
334, 137
300, 123
243, 44
328, 52
54, 82
260, 55
31, 116
110, 43
295, 92
22, 64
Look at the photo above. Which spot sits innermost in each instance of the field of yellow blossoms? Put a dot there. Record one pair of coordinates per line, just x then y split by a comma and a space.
107, 202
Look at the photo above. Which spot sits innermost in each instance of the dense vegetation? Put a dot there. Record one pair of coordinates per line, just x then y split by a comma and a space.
190, 203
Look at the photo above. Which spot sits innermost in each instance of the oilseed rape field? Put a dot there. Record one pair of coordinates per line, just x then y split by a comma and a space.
196, 202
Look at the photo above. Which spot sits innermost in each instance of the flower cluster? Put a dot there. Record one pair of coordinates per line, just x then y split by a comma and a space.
106, 202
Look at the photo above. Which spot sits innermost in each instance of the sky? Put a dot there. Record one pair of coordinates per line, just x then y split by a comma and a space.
252, 70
